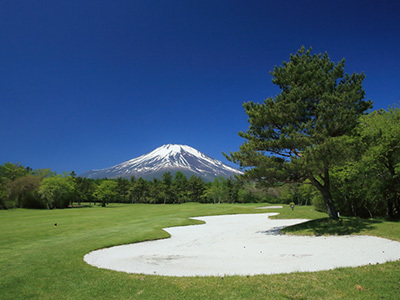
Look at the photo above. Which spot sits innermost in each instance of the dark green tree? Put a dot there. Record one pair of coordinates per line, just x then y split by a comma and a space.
72, 175
84, 189
179, 185
123, 189
233, 187
131, 195
24, 192
167, 187
195, 188
8, 173
156, 191
299, 135
139, 191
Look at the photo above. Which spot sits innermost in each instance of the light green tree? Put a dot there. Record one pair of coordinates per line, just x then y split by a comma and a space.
106, 192
57, 191
370, 185
381, 131
217, 190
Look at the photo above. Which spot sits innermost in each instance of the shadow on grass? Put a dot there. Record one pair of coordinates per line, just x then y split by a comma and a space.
326, 226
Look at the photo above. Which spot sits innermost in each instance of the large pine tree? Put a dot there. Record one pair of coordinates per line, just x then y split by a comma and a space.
299, 135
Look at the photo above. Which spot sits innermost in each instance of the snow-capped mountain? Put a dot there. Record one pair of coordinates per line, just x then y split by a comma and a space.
170, 157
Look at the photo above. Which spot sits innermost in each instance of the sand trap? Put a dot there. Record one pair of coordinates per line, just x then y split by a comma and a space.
242, 245
270, 207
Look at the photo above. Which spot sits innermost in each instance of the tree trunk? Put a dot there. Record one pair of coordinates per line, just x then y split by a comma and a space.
326, 195
389, 205
330, 207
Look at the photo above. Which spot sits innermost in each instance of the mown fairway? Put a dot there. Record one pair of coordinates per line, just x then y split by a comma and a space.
41, 261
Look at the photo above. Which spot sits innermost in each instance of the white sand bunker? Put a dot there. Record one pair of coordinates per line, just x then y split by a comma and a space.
269, 207
242, 245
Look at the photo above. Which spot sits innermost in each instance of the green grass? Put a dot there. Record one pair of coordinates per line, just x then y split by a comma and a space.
41, 261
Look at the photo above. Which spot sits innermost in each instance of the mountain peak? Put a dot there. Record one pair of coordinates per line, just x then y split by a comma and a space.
173, 149
169, 157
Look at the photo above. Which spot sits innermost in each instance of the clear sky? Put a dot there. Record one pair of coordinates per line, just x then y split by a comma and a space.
89, 84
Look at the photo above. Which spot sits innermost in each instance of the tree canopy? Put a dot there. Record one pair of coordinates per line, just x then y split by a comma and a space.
57, 191
370, 185
301, 133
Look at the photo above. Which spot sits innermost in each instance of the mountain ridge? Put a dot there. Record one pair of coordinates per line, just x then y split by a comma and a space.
169, 157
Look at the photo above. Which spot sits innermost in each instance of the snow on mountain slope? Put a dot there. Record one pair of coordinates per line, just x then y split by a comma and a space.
170, 157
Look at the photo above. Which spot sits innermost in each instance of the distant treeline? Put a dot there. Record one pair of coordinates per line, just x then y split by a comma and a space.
22, 187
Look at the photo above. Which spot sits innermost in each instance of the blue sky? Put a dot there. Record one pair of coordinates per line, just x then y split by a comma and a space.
89, 84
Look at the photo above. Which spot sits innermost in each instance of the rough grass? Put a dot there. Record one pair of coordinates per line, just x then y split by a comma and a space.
41, 261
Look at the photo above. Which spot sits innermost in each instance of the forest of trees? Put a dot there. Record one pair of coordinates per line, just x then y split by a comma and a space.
22, 187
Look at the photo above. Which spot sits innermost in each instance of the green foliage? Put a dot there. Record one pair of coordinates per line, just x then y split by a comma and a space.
23, 192
249, 193
369, 186
180, 187
8, 173
196, 187
141, 190
123, 189
318, 203
246, 196
300, 135
28, 188
382, 130
57, 191
167, 188
300, 194
43, 173
217, 191
84, 189
155, 191
106, 192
